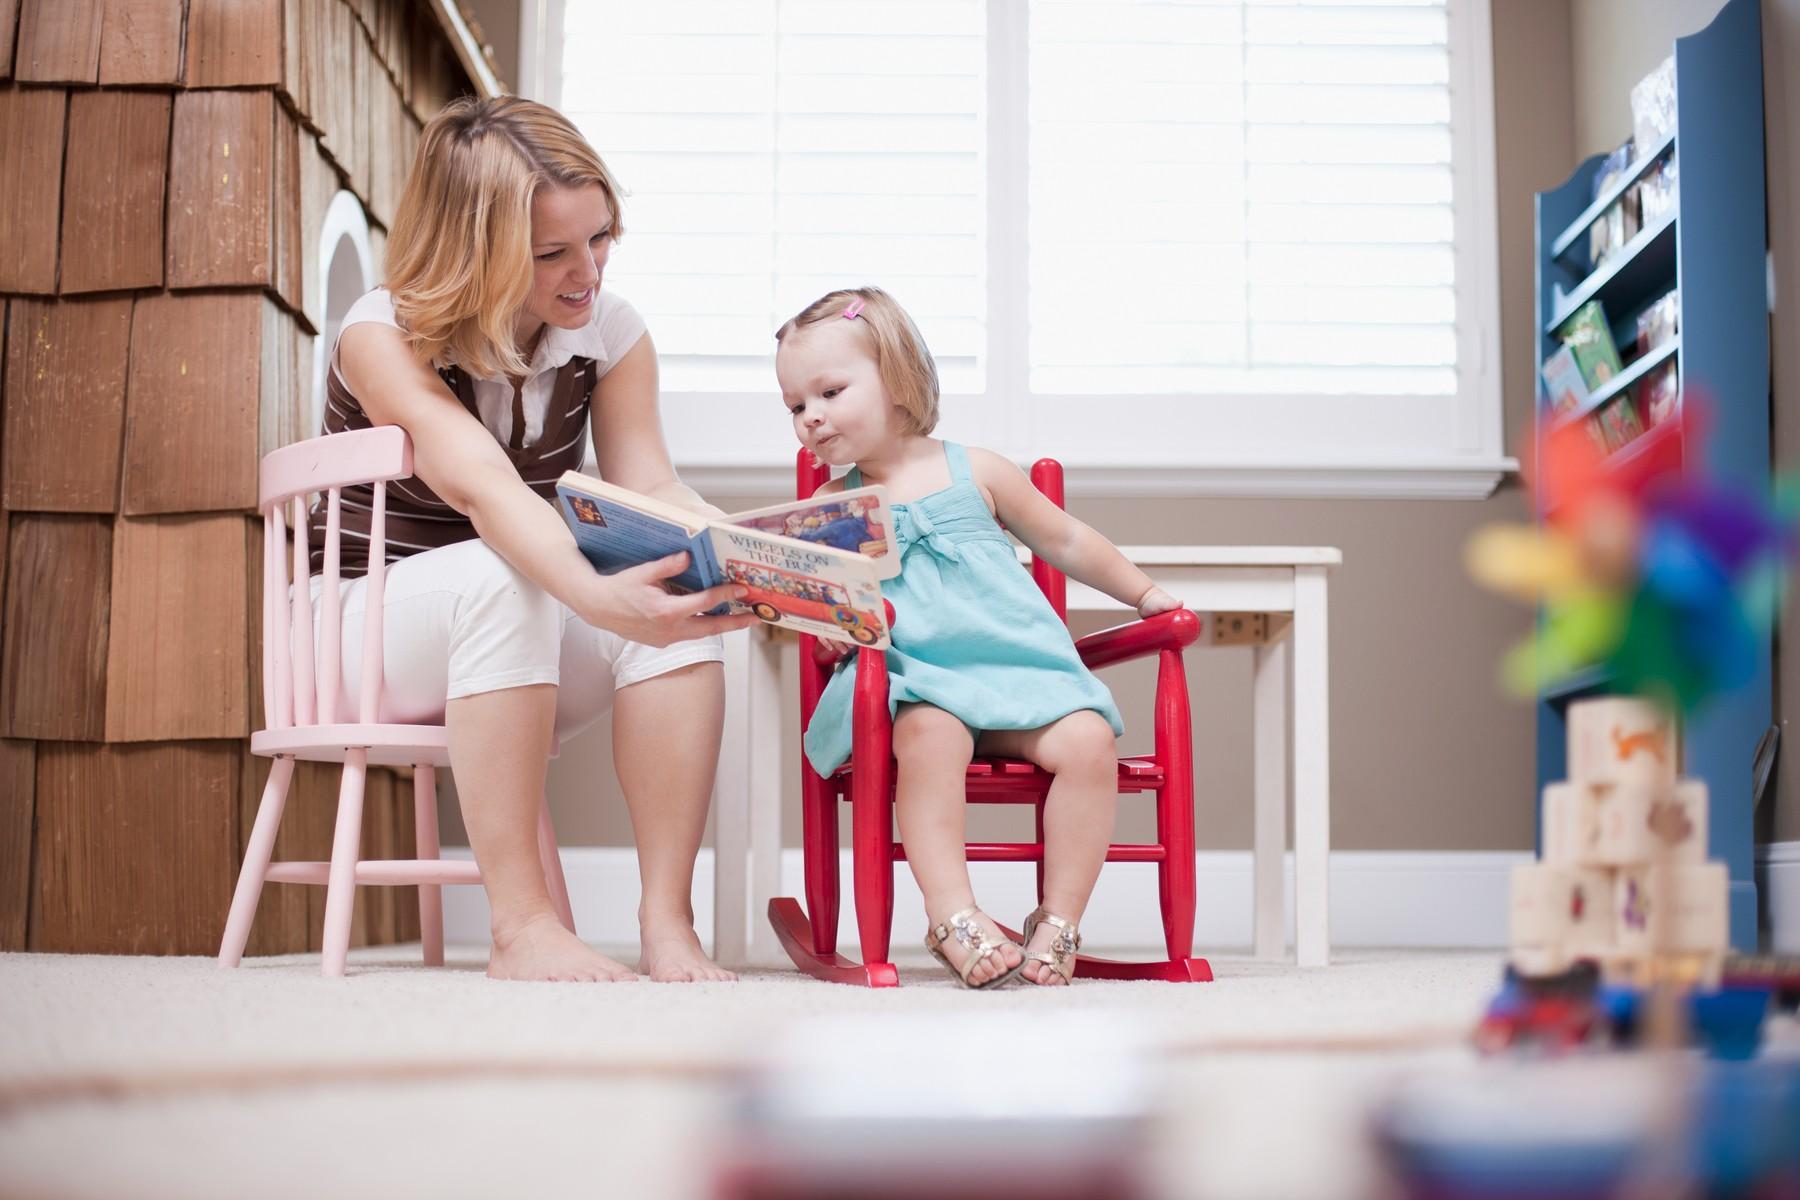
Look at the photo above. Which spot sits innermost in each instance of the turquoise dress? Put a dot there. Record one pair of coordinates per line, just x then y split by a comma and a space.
972, 634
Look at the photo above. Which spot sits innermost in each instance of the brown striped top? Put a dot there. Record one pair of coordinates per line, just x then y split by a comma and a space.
416, 518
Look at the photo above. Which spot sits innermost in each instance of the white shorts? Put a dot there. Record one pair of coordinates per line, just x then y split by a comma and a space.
460, 620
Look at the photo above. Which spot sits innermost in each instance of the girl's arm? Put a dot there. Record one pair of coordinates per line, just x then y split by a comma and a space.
460, 461
628, 436
1069, 545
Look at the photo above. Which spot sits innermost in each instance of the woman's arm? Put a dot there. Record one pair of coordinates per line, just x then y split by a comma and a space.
460, 461
1069, 545
628, 437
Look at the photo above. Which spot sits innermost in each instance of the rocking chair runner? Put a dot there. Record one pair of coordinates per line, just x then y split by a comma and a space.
867, 782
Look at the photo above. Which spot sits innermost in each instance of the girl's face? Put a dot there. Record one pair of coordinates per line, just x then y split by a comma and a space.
830, 383
571, 237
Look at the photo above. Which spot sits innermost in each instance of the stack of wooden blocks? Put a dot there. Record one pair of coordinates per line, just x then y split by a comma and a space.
1624, 880
168, 167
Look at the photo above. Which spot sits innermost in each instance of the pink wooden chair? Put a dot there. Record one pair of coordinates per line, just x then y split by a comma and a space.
300, 706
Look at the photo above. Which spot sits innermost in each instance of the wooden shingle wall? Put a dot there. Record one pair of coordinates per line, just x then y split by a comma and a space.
167, 168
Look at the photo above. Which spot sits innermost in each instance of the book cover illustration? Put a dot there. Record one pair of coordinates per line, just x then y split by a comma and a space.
811, 585
855, 521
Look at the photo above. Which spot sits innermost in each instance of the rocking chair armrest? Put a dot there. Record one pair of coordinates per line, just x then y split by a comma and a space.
1175, 630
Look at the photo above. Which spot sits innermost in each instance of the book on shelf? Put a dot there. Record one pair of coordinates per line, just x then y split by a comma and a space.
1589, 338
1564, 388
814, 566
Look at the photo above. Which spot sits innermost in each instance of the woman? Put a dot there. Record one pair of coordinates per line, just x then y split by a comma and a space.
493, 346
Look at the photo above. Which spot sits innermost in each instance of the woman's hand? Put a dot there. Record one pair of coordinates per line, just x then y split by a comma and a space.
1156, 601
635, 605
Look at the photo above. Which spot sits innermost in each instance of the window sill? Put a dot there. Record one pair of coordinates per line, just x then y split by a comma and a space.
1445, 480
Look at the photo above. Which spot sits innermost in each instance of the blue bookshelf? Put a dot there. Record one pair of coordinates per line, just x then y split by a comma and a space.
1711, 249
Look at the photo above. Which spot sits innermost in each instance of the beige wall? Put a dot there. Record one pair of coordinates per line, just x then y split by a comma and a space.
1425, 753
1616, 43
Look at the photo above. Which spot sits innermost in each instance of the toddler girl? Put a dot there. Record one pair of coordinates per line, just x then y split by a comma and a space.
980, 663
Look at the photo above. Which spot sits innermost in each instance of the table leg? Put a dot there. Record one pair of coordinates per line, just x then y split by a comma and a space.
731, 807
773, 675
1312, 779
1270, 760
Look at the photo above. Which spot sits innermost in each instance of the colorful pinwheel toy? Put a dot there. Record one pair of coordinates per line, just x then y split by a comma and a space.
1668, 584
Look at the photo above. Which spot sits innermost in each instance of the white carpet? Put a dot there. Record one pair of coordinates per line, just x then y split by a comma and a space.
170, 1077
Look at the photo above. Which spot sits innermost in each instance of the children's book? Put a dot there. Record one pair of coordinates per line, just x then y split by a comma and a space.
812, 565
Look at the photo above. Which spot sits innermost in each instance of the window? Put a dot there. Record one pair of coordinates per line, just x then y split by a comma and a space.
1241, 246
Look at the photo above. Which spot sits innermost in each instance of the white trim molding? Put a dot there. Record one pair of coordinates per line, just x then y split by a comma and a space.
1335, 481
1778, 884
1378, 898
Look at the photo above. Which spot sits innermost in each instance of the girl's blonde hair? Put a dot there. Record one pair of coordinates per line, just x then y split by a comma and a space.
907, 372
459, 256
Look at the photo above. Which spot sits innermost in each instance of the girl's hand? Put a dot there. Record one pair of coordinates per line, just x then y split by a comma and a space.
635, 605
1156, 601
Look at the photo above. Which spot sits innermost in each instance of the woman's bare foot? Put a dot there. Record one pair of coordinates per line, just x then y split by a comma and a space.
539, 948
671, 953
1041, 973
1007, 957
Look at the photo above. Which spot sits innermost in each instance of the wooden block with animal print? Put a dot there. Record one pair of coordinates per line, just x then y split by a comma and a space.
1561, 906
1675, 910
1641, 824
1621, 739
1571, 822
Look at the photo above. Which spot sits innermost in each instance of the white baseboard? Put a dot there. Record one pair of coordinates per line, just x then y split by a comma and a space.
1378, 898
1778, 885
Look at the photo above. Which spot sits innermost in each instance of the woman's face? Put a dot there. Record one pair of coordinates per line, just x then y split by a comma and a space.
571, 237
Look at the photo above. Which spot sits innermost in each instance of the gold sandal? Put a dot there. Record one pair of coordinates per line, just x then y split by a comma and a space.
1061, 955
968, 933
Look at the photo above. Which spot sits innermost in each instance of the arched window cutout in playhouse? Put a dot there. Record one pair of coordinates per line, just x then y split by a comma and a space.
346, 271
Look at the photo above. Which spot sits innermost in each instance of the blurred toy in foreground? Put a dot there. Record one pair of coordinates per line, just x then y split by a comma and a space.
1665, 582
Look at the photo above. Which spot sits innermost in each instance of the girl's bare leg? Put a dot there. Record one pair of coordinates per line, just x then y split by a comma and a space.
932, 750
1078, 813
499, 752
666, 733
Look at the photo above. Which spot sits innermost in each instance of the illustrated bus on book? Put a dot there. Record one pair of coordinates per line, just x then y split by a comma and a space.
773, 591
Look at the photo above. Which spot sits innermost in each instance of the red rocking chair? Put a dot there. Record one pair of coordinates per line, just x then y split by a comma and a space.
867, 782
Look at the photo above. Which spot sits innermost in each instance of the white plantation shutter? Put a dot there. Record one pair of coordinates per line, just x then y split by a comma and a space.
1241, 198
1266, 230
773, 150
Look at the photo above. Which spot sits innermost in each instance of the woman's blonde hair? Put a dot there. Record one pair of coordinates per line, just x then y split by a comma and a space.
459, 256
907, 372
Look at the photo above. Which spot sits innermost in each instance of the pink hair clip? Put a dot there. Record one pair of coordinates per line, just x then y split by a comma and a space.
855, 309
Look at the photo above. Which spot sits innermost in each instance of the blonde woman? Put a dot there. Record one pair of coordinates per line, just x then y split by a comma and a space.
495, 348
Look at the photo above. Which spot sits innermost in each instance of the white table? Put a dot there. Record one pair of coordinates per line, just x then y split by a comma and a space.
1270, 597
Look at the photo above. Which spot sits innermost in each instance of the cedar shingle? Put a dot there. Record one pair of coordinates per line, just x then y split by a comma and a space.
179, 657
221, 176
9, 25
191, 419
112, 231
59, 41
318, 184
295, 38
31, 146
234, 43
17, 764
140, 42
288, 248
53, 661
136, 847
65, 404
